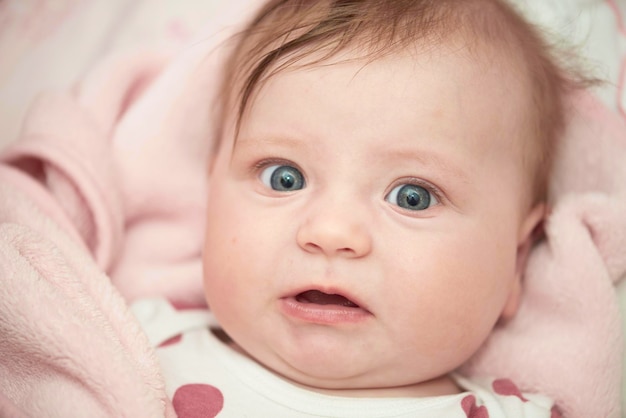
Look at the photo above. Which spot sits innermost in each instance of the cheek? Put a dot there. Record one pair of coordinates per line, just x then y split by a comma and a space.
236, 261
483, 273
229, 283
222, 249
221, 240
452, 290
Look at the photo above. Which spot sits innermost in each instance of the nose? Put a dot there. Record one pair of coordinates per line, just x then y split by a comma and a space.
335, 232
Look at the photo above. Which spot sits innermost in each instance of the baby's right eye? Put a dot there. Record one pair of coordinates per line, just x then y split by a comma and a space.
282, 178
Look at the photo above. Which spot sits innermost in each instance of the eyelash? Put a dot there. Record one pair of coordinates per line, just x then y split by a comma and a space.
418, 182
259, 166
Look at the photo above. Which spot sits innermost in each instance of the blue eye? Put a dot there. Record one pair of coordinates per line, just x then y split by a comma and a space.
282, 178
411, 197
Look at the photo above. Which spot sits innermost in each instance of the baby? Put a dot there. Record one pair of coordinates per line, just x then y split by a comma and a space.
378, 181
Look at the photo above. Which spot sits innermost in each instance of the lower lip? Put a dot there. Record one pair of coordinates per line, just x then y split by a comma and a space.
322, 314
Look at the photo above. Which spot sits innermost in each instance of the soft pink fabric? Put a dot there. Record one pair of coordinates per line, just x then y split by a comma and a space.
96, 149
70, 347
106, 185
102, 201
566, 340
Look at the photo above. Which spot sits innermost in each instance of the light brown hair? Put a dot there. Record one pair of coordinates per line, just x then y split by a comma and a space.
285, 32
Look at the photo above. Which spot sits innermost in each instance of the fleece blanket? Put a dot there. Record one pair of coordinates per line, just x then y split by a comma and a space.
101, 203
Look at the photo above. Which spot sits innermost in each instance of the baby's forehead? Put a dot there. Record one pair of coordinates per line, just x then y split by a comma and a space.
490, 33
482, 53
473, 63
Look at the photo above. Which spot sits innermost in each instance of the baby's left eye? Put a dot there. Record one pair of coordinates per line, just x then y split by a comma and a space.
411, 197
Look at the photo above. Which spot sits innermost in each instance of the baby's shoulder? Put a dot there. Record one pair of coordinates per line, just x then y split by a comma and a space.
161, 321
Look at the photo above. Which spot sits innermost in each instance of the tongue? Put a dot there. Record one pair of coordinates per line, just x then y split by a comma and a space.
321, 298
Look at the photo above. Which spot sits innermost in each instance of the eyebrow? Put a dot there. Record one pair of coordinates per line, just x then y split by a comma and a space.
426, 159
271, 140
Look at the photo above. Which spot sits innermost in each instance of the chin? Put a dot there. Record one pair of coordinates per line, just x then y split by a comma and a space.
317, 371
313, 380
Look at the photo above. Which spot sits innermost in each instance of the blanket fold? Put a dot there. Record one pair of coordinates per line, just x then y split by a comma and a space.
70, 346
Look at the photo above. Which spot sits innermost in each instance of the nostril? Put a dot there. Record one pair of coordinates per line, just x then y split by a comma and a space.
345, 251
315, 248
312, 247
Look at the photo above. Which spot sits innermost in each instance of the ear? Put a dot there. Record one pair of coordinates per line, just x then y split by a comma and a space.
528, 233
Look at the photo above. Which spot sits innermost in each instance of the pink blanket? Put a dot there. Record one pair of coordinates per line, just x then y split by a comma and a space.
101, 202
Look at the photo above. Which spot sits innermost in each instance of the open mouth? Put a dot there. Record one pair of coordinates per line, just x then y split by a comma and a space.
320, 298
319, 307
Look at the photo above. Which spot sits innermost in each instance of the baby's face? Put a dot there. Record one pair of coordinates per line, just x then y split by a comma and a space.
363, 230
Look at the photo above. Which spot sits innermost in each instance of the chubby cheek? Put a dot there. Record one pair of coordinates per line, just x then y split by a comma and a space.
223, 250
218, 288
452, 295
235, 258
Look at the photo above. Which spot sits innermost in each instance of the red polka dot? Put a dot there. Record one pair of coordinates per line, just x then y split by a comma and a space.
555, 413
198, 401
184, 305
471, 410
507, 388
171, 341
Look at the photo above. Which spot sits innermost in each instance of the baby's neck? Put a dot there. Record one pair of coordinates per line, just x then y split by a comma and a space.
441, 386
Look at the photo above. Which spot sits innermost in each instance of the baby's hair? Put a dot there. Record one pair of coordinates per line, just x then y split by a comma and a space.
287, 32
